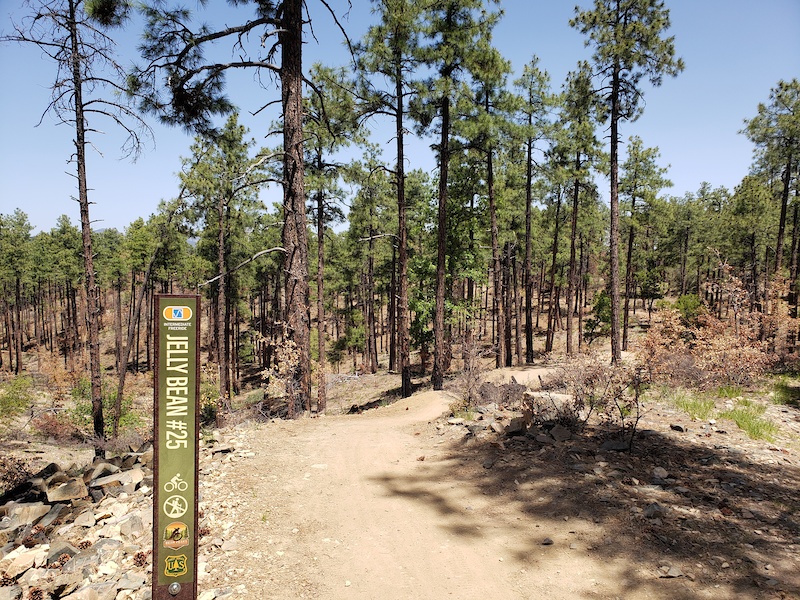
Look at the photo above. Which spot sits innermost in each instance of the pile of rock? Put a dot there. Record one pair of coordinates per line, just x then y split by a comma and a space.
80, 533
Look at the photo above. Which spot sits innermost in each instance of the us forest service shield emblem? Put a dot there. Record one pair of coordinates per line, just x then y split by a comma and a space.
176, 565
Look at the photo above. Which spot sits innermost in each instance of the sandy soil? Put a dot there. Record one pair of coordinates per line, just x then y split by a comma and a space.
394, 503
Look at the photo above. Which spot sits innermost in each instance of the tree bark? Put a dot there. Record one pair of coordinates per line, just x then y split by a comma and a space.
437, 378
92, 300
295, 236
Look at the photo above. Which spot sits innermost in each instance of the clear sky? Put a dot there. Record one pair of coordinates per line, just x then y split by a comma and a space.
735, 51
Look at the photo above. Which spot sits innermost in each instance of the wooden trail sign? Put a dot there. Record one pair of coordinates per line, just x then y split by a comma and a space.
176, 429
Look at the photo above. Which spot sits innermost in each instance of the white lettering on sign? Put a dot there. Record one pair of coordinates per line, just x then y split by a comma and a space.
177, 387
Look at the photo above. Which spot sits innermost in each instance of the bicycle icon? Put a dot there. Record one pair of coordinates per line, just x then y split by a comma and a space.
176, 483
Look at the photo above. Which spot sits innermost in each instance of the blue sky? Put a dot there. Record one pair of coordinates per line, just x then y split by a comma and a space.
735, 51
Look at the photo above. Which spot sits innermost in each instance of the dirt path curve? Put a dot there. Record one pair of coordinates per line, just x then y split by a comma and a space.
376, 506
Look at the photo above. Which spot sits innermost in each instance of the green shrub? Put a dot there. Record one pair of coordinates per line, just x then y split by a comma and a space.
689, 306
16, 396
81, 412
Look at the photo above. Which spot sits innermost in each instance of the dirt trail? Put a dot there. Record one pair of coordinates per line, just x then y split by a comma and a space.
382, 506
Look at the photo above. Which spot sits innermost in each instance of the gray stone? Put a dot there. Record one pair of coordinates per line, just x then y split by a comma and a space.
668, 572
12, 592
71, 490
55, 512
560, 433
131, 581
132, 527
85, 519
59, 549
26, 514
517, 426
654, 511
660, 473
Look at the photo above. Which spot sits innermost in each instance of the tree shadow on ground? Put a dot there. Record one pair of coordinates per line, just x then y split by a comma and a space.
727, 517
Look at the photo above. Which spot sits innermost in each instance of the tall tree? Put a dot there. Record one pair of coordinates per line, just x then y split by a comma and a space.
775, 131
629, 44
331, 124
187, 88
490, 119
642, 180
533, 88
390, 49
222, 180
84, 58
453, 28
577, 137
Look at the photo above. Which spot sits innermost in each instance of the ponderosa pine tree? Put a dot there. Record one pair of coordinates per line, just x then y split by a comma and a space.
642, 179
187, 89
536, 100
331, 124
489, 107
390, 49
775, 131
83, 56
629, 44
452, 29
576, 135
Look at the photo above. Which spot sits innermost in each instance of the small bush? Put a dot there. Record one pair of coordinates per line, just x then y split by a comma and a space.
689, 306
613, 392
56, 425
81, 413
16, 396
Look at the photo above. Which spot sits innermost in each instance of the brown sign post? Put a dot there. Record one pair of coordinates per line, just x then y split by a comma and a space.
176, 429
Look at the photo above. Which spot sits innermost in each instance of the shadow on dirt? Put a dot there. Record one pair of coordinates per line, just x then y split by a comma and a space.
721, 515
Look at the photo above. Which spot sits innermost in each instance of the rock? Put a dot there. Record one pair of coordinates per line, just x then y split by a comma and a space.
654, 511
131, 581
560, 433
22, 515
660, 473
678, 428
547, 542
13, 592
85, 519
71, 490
59, 549
517, 426
668, 572
24, 561
614, 446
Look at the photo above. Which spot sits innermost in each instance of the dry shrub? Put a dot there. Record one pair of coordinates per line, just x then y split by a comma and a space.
55, 425
710, 353
595, 388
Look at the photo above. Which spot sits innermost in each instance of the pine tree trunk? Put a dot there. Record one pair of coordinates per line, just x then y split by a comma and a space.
403, 326
295, 236
616, 353
572, 252
92, 300
628, 277
528, 277
437, 377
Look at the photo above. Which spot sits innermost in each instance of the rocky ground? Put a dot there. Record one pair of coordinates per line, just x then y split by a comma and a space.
406, 501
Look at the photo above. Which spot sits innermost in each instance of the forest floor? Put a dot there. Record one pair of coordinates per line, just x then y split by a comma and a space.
397, 503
